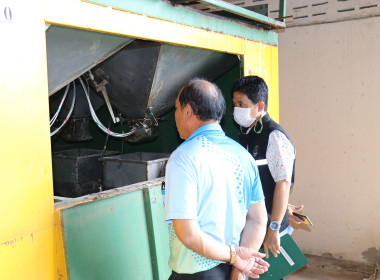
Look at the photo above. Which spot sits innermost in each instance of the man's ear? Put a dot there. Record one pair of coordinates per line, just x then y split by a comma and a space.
188, 111
261, 106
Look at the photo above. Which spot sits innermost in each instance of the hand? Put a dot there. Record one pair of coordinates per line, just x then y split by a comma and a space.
291, 217
272, 242
250, 262
237, 274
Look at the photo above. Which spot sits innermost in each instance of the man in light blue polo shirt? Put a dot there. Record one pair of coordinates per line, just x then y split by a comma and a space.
214, 202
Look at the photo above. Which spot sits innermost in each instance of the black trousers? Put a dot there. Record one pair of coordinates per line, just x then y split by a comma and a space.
220, 272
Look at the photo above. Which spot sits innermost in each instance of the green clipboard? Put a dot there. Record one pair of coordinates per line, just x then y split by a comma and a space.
290, 259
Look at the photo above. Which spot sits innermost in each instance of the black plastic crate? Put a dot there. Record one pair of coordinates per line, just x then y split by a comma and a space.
78, 172
127, 169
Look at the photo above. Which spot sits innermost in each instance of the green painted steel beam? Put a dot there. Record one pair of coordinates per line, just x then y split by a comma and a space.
282, 13
244, 13
191, 17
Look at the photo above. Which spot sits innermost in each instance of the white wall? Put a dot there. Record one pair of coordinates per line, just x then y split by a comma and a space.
330, 105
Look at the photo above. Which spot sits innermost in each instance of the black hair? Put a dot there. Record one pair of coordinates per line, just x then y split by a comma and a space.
205, 98
254, 88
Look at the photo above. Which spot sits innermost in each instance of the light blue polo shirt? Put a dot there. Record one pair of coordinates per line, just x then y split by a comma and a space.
212, 179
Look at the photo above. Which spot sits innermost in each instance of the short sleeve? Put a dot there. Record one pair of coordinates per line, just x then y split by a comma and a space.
280, 156
180, 188
257, 194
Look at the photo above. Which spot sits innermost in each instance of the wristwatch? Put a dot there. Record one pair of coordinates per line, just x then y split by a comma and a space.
274, 225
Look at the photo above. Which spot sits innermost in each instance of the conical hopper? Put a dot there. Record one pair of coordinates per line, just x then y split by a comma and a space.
146, 74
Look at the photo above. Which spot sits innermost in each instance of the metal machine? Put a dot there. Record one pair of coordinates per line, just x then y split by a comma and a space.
138, 79
123, 61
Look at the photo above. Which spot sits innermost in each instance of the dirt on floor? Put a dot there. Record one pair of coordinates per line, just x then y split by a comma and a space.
322, 268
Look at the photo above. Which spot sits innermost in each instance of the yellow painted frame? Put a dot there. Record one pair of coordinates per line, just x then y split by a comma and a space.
26, 201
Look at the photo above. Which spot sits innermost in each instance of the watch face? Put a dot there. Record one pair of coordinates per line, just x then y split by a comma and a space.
274, 225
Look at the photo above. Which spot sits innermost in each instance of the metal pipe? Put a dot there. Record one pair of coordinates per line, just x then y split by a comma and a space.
282, 10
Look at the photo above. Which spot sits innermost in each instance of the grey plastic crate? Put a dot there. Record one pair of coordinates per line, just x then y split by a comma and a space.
123, 170
78, 172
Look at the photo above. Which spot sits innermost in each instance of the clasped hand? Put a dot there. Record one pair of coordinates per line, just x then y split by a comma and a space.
250, 262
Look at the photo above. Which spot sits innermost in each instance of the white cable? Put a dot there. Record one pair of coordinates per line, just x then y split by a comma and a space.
54, 118
68, 115
59, 107
97, 121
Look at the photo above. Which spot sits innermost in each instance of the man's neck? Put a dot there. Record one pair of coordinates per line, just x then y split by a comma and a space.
197, 124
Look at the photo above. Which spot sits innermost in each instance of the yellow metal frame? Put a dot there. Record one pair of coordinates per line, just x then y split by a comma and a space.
31, 245
26, 201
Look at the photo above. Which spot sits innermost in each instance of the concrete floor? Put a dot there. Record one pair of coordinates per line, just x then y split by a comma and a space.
330, 269
313, 272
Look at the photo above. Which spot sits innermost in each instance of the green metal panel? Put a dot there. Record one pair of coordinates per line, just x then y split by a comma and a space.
188, 16
158, 233
109, 239
224, 83
244, 12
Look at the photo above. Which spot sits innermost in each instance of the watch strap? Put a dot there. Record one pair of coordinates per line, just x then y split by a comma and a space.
233, 254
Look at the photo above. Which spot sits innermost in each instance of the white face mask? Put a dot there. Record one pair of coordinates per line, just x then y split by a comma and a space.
242, 116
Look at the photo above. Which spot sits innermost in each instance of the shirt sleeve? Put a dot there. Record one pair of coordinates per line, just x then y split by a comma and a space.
180, 189
257, 193
280, 156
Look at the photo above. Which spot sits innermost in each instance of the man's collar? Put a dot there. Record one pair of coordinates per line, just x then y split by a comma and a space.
204, 128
